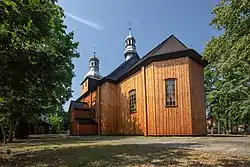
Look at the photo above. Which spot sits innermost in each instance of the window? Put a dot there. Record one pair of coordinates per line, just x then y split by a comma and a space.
170, 92
132, 101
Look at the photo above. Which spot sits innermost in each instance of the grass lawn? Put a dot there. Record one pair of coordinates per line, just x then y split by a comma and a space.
65, 151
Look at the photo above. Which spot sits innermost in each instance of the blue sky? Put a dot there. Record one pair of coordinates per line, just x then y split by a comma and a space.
104, 24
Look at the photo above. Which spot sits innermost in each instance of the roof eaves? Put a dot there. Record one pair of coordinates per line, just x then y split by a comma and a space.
101, 82
173, 55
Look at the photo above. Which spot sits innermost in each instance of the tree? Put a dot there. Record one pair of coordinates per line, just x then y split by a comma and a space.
228, 71
65, 121
36, 56
56, 122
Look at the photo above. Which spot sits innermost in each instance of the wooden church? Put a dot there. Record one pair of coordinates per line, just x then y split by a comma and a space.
159, 94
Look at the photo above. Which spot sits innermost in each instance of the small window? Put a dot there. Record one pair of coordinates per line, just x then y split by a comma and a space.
170, 92
132, 101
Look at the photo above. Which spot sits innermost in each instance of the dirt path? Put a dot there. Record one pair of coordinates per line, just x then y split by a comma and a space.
231, 145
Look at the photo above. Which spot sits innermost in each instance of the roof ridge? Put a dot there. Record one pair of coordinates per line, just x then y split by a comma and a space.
157, 46
165, 40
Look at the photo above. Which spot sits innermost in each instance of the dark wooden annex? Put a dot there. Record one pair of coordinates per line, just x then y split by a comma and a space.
81, 119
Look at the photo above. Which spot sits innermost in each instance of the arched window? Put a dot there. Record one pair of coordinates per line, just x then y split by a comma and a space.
132, 101
170, 86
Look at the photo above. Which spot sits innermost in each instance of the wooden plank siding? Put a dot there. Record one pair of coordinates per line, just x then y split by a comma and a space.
150, 100
87, 99
197, 98
93, 97
152, 117
164, 120
98, 110
84, 86
130, 123
107, 109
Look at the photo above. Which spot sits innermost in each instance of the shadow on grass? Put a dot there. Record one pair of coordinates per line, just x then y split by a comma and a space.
175, 154
50, 139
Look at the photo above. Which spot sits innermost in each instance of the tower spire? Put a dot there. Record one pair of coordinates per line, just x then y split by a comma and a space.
94, 66
94, 48
130, 48
129, 29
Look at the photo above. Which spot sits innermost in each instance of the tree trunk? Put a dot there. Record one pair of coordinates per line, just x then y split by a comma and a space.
227, 126
4, 134
231, 126
11, 130
245, 127
12, 123
12, 127
212, 126
218, 126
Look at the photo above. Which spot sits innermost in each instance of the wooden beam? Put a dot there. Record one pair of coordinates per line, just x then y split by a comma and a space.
144, 101
78, 129
98, 109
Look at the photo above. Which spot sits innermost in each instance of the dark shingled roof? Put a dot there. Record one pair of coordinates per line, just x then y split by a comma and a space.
85, 121
123, 68
78, 105
152, 52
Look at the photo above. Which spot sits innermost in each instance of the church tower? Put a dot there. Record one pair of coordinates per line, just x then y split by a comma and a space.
93, 68
130, 48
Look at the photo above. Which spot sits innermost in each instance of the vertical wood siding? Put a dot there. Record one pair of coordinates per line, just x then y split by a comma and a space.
130, 123
164, 120
87, 129
107, 108
84, 86
197, 98
98, 110
73, 128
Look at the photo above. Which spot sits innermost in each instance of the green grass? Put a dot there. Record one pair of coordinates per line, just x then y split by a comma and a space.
93, 151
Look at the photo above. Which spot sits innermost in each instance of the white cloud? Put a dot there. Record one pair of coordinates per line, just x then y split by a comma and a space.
84, 21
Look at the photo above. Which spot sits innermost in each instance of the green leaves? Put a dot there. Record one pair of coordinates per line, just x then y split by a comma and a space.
36, 56
56, 122
229, 54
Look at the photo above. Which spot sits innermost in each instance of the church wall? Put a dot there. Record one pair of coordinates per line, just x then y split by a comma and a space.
73, 128
168, 120
84, 86
93, 96
113, 107
106, 109
91, 100
75, 113
130, 123
197, 98
87, 99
